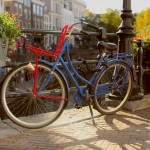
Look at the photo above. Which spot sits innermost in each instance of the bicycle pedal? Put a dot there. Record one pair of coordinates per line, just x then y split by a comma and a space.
77, 106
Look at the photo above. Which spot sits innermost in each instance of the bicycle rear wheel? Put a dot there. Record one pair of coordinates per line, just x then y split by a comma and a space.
22, 107
115, 99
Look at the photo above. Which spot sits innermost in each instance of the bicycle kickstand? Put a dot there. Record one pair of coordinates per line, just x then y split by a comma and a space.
91, 111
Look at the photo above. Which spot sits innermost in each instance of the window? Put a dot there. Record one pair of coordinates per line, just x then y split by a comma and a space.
20, 10
38, 10
28, 3
41, 11
34, 9
38, 23
45, 8
54, 22
41, 24
16, 8
44, 18
58, 8
7, 8
49, 18
28, 14
49, 27
34, 22
29, 25
25, 25
25, 14
54, 7
21, 24
58, 23
25, 2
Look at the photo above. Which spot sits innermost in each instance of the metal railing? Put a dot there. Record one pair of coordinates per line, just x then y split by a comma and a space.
40, 31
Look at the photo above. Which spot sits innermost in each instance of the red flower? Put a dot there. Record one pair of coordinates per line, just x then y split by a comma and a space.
14, 15
10, 52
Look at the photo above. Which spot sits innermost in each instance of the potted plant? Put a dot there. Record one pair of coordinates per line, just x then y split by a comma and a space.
9, 30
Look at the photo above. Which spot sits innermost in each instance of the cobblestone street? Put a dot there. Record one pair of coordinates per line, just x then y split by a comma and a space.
124, 130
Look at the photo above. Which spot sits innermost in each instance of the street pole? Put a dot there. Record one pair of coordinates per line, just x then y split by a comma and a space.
125, 43
126, 32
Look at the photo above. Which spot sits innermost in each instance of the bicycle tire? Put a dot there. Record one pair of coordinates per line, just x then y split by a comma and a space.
22, 107
113, 101
7, 69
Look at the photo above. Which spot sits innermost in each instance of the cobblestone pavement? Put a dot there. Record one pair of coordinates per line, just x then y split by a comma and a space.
124, 130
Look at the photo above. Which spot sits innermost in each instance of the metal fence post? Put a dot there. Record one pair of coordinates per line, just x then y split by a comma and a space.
139, 67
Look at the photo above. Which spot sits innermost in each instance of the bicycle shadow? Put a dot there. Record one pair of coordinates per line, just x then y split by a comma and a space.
126, 130
129, 131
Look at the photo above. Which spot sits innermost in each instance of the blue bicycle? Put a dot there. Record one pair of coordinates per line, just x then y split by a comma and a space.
34, 94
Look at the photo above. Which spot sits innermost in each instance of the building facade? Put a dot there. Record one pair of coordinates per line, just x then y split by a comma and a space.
73, 11
37, 21
15, 6
48, 23
53, 20
57, 18
47, 15
68, 18
1, 6
27, 14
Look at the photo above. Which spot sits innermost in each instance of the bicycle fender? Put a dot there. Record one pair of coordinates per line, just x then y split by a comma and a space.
50, 64
96, 75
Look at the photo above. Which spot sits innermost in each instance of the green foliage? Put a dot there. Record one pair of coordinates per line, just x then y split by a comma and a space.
142, 23
111, 20
9, 28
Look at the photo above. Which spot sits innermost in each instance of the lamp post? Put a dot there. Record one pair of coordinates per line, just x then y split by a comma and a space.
126, 32
125, 43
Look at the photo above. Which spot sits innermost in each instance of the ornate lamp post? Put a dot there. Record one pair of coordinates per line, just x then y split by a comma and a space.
126, 32
125, 44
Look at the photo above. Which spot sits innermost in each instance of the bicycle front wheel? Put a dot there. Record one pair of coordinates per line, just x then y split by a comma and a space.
22, 107
119, 92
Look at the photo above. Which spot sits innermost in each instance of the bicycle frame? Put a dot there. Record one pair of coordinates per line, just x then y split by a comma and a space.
58, 59
102, 89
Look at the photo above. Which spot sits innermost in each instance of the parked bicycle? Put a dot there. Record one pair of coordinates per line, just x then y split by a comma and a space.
34, 94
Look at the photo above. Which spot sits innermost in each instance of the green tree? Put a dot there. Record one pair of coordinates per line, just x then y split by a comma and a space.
111, 20
142, 23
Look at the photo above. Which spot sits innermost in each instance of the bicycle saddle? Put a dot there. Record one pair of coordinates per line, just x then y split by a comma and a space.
107, 45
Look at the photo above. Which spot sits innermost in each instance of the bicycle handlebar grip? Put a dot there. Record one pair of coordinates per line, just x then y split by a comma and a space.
82, 31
